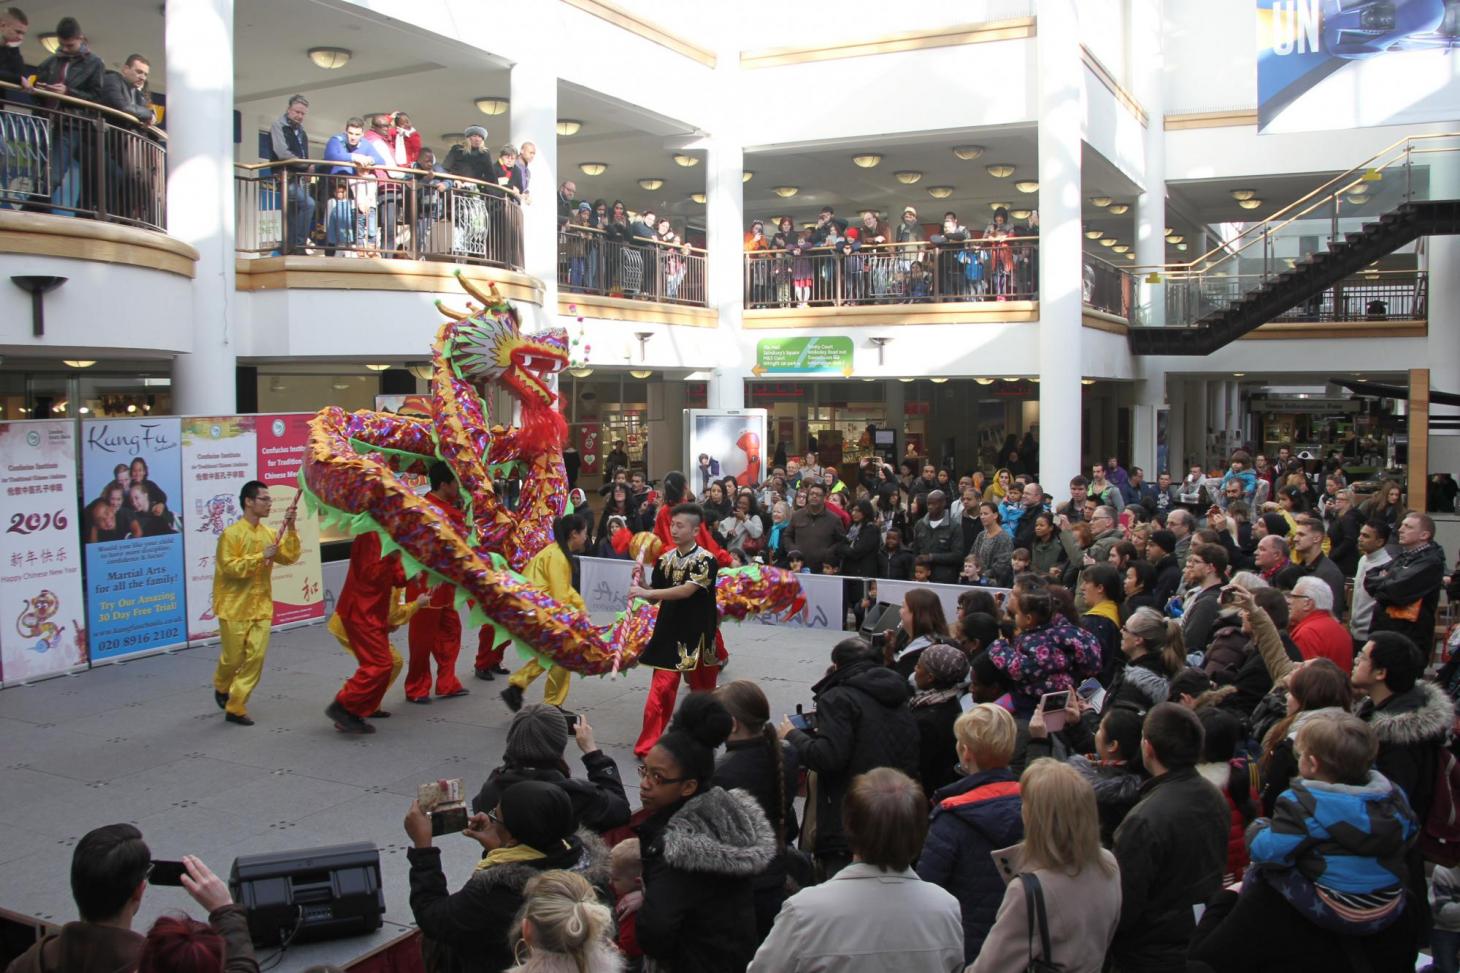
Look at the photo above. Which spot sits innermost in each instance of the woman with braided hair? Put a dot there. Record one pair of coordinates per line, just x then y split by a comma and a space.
757, 761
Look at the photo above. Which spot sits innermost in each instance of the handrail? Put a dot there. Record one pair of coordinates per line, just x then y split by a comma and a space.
296, 163
88, 105
1264, 226
921, 244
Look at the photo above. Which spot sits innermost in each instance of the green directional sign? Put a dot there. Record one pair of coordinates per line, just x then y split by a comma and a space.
803, 356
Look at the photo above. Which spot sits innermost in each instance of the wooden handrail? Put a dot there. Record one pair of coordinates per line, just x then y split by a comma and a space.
96, 106
920, 244
296, 163
670, 246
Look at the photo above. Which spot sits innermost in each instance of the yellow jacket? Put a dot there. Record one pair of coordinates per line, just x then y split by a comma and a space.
242, 584
549, 570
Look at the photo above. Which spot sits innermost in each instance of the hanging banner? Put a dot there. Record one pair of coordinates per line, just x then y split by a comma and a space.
219, 454
1340, 64
298, 591
590, 448
42, 616
131, 473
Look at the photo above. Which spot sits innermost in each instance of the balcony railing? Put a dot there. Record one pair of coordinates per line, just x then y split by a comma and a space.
1107, 288
1368, 296
593, 262
300, 208
71, 157
1005, 269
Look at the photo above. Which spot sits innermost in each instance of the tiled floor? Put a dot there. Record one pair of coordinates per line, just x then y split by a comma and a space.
144, 742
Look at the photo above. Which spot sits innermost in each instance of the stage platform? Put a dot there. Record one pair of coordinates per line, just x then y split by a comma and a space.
144, 742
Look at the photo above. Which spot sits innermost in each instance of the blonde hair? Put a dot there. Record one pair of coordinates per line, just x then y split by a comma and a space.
1061, 821
1161, 635
988, 733
1344, 745
566, 916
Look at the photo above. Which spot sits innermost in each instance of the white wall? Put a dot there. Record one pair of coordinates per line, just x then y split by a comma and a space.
103, 307
1214, 153
1211, 55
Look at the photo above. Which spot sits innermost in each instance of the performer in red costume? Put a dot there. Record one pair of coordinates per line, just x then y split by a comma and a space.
435, 631
364, 616
749, 443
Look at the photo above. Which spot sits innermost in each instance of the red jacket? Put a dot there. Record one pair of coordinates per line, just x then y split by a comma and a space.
1320, 634
443, 596
365, 599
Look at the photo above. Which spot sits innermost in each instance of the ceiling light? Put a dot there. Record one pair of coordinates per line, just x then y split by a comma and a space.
998, 206
1241, 194
1130, 256
1181, 247
1175, 238
1108, 241
968, 152
1012, 378
1087, 381
747, 175
492, 105
908, 176
131, 407
1020, 214
569, 126
651, 184
1357, 200
688, 161
869, 379
1360, 188
938, 381
1101, 201
1120, 248
698, 198
1118, 209
867, 160
422, 371
79, 362
786, 192
377, 368
1249, 203
940, 192
984, 381
1027, 185
641, 372
1000, 170
905, 381
593, 168
52, 43
582, 372
1092, 234
328, 58
1238, 374
339, 386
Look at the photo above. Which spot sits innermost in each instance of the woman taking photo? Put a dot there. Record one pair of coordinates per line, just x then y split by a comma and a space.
742, 529
920, 623
1077, 879
702, 848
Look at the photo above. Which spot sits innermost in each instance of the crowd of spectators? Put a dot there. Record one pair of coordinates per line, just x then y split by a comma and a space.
607, 248
834, 262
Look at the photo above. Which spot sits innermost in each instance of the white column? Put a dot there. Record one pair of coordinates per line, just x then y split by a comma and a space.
724, 226
534, 94
1149, 59
199, 47
1442, 347
1060, 264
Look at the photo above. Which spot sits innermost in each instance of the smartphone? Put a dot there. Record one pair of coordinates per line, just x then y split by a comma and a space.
166, 873
801, 722
443, 802
1053, 705
1089, 688
451, 820
1227, 596
571, 719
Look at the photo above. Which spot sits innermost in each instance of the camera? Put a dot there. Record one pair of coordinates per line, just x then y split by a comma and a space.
443, 802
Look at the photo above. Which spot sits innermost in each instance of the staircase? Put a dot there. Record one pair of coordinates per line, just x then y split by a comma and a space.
1310, 277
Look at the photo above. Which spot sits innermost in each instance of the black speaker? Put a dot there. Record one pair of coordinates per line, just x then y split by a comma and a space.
881, 617
310, 894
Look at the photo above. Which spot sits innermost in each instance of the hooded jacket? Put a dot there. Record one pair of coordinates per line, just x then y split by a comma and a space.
599, 803
700, 861
1409, 585
1117, 787
862, 722
1048, 658
748, 765
1140, 685
467, 931
1411, 727
81, 73
81, 947
971, 819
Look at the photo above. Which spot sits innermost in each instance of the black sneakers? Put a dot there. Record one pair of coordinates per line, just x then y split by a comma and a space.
345, 721
221, 699
512, 696
240, 720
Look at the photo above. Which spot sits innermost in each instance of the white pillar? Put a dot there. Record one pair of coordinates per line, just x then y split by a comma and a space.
534, 95
1149, 60
1060, 260
724, 226
1149, 398
199, 47
1442, 347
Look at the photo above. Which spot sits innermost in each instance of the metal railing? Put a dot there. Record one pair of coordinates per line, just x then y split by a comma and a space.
996, 269
1373, 295
591, 261
301, 208
1105, 287
1398, 173
71, 157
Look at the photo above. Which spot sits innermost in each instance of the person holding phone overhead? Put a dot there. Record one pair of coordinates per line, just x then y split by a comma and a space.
243, 597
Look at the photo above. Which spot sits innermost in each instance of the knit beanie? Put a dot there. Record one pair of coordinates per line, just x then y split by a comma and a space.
1165, 540
538, 814
538, 734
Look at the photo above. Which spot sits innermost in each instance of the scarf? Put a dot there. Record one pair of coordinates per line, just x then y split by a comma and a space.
514, 853
1106, 609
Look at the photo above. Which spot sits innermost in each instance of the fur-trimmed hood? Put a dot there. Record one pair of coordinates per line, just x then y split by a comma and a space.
721, 832
603, 958
586, 854
1153, 685
1423, 714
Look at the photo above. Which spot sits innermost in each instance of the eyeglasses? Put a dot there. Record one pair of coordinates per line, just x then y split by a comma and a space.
657, 779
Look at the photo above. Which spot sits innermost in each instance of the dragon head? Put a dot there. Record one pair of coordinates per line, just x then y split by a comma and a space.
486, 345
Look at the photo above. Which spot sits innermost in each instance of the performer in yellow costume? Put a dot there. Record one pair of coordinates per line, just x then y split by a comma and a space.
243, 597
552, 570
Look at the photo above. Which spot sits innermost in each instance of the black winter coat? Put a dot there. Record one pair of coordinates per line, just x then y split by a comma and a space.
972, 818
859, 551
862, 722
700, 861
1168, 579
1413, 576
599, 803
466, 931
1172, 850
937, 748
83, 72
1343, 537
748, 765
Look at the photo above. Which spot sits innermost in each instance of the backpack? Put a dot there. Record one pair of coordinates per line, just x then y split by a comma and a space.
1439, 839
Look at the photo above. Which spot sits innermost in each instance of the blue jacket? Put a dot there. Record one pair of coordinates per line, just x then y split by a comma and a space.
972, 819
1246, 477
337, 151
1009, 514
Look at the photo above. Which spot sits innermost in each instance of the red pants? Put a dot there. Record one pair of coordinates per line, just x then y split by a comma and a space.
378, 665
435, 633
659, 707
489, 656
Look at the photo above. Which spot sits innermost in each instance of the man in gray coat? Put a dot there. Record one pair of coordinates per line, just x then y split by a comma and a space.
939, 537
814, 530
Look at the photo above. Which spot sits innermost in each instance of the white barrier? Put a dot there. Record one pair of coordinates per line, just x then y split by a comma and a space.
892, 592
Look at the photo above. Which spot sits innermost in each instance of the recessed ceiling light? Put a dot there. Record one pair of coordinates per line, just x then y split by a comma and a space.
377, 368
1020, 214
582, 372
688, 161
1108, 241
651, 184
747, 175
698, 198
1092, 234
569, 126
339, 386
492, 105
786, 192
593, 168
641, 372
50, 42
1249, 203
938, 381
1087, 381
1175, 239
79, 362
968, 152
328, 58
1118, 209
908, 176
1120, 248
984, 381
1243, 194
906, 381
1027, 185
1000, 170
940, 192
998, 206
1100, 201
867, 160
